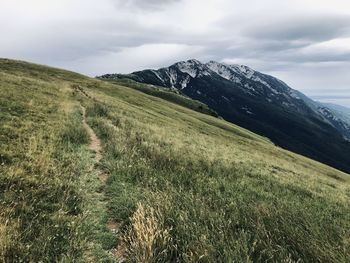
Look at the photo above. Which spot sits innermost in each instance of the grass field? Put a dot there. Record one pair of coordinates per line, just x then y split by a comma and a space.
182, 186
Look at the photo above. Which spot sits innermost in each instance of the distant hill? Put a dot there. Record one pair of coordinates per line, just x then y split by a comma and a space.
260, 103
343, 112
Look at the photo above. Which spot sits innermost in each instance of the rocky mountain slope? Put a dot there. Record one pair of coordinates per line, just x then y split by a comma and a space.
339, 111
261, 103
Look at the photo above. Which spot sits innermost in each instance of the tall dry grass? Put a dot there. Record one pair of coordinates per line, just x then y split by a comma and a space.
146, 237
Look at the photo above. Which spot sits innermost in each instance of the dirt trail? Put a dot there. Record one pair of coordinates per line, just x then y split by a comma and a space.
95, 143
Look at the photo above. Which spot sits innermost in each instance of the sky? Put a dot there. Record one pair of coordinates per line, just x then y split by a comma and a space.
306, 43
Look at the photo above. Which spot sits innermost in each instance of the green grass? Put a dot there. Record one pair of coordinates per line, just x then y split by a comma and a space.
166, 94
184, 186
44, 170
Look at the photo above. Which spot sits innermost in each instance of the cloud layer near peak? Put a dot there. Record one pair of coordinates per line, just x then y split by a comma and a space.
306, 43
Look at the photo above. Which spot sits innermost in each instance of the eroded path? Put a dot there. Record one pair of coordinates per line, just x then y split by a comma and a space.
95, 142
95, 146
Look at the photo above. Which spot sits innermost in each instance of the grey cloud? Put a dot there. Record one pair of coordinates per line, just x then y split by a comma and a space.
145, 4
312, 28
269, 42
320, 57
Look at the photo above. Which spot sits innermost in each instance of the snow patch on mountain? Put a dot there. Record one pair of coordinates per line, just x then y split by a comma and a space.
185, 82
172, 77
294, 94
190, 71
249, 87
224, 71
157, 75
220, 69
244, 70
190, 67
257, 79
247, 110
335, 121
225, 98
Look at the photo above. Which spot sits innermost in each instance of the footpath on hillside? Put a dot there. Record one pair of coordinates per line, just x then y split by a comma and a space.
95, 146
95, 143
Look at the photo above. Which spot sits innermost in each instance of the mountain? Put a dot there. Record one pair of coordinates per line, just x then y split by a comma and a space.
335, 115
260, 103
340, 111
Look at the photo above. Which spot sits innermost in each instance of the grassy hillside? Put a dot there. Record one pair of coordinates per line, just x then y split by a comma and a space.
182, 186
163, 93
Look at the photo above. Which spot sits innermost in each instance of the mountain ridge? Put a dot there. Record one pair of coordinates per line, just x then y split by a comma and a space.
258, 102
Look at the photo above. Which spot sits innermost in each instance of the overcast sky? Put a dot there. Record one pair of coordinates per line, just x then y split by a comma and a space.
306, 43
